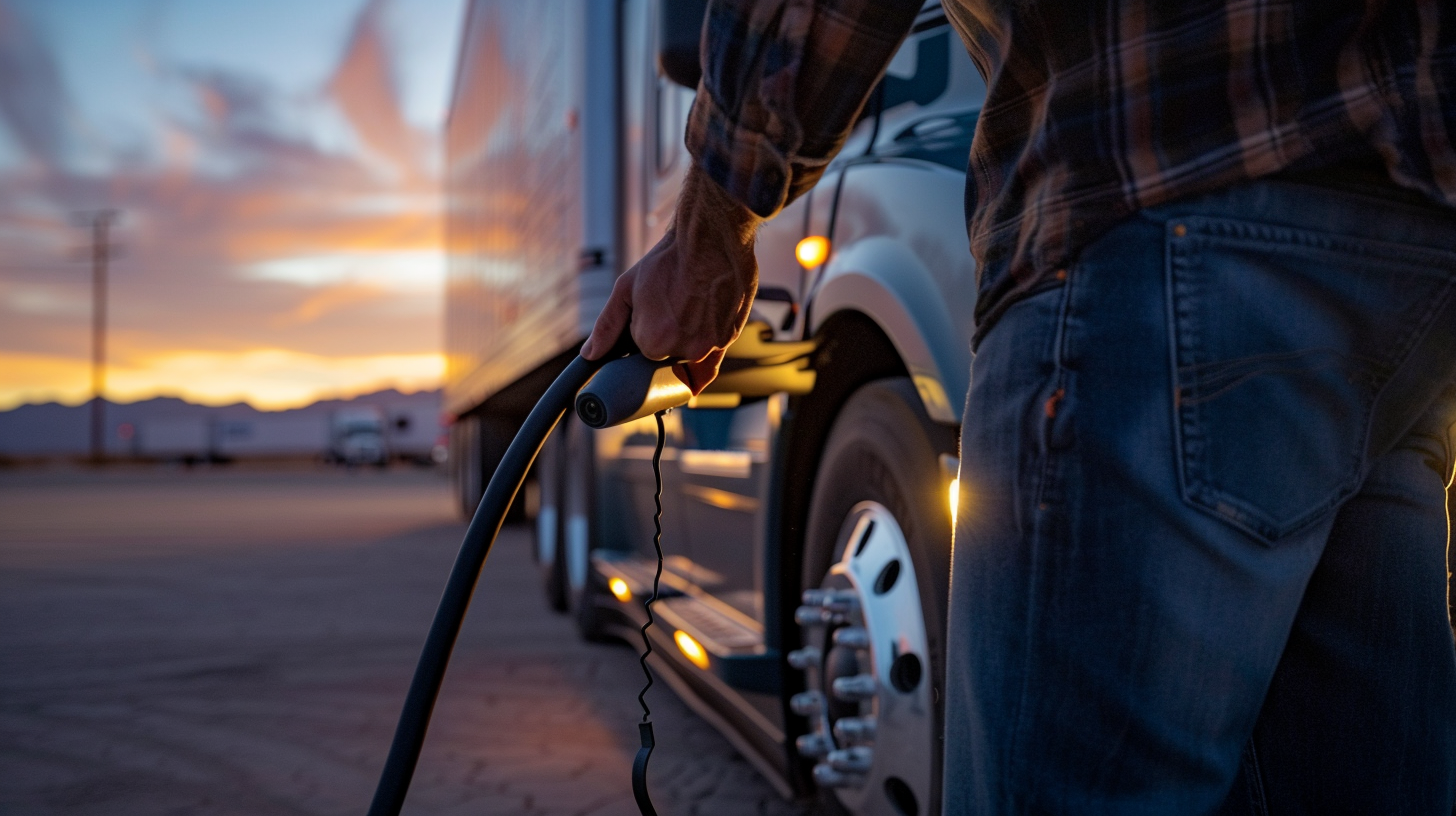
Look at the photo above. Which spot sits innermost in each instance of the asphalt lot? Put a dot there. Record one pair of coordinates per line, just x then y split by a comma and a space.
234, 641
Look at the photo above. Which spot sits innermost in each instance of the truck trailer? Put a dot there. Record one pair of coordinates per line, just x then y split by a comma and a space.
808, 493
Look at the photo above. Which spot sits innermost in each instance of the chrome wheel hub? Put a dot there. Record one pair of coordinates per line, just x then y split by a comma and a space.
866, 665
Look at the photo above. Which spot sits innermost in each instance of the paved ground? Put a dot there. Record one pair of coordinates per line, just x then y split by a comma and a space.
239, 642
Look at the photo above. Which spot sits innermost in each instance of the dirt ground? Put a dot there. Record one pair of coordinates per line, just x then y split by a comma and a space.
236, 641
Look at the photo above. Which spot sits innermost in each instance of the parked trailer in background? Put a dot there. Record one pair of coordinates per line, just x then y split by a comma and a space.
412, 428
176, 439
806, 519
285, 434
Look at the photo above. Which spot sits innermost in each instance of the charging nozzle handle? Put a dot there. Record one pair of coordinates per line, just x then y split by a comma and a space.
409, 735
630, 388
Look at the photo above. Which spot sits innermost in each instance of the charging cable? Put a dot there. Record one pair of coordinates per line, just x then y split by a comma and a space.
619, 387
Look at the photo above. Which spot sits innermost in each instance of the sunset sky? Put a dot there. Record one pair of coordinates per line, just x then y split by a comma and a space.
276, 164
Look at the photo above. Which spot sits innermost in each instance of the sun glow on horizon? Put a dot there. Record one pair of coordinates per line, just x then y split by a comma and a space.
268, 379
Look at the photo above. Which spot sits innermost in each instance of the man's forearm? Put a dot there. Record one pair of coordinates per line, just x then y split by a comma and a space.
783, 84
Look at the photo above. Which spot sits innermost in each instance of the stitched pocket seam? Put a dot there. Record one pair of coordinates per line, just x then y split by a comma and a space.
1186, 242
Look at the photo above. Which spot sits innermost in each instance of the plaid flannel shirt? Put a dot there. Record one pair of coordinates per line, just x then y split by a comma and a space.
1094, 109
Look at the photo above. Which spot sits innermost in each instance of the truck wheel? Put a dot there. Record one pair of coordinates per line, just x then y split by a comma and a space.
549, 474
578, 530
464, 464
477, 443
876, 568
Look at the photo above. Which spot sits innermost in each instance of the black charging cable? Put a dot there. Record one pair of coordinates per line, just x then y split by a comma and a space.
644, 728
624, 386
419, 703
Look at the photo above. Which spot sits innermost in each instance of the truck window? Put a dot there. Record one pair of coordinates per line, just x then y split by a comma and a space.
673, 103
920, 71
932, 98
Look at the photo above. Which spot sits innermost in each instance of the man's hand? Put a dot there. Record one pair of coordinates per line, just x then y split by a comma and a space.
689, 296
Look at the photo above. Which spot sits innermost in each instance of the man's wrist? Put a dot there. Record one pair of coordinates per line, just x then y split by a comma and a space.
702, 192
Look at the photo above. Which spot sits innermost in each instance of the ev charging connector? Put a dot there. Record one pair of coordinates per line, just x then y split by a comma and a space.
628, 389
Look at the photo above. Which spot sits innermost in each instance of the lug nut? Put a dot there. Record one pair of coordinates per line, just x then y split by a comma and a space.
858, 687
855, 729
839, 600
853, 637
805, 658
813, 746
807, 703
844, 602
812, 616
827, 777
856, 760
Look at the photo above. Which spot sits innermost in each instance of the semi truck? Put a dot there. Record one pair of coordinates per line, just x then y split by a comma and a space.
808, 494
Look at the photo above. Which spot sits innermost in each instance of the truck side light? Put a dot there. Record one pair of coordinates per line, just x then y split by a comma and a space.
955, 499
812, 251
620, 589
691, 649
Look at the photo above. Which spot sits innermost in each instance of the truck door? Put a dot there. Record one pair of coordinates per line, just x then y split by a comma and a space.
625, 503
723, 460
723, 473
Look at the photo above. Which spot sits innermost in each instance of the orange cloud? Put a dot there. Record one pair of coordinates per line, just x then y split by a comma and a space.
364, 90
330, 300
401, 231
236, 181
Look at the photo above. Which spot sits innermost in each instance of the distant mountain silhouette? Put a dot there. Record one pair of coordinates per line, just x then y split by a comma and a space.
54, 429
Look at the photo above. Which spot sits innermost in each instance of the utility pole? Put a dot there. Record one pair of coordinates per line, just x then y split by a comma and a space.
101, 248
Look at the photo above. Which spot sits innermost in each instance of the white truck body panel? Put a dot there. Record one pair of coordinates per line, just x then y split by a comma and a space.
531, 229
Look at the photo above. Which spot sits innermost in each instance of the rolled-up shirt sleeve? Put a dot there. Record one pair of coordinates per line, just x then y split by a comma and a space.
783, 84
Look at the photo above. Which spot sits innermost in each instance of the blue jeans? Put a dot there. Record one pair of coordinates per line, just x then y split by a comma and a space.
1200, 565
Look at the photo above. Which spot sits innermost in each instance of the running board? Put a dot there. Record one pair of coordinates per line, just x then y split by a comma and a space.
734, 641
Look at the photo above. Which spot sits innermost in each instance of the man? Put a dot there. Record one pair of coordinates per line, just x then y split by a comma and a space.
1200, 560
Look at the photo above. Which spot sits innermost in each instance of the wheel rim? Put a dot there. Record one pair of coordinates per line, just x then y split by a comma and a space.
867, 665
546, 535
578, 550
576, 531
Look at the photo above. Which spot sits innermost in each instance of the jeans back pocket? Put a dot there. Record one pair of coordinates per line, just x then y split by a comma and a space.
1282, 340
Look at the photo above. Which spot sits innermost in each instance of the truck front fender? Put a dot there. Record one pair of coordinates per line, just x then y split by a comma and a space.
885, 281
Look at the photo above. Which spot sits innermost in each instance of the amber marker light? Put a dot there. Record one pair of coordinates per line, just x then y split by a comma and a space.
812, 251
620, 589
691, 649
955, 496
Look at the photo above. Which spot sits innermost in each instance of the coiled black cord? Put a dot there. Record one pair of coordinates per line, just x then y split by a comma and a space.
644, 728
657, 578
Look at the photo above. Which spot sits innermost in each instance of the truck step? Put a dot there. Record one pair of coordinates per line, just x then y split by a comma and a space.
723, 630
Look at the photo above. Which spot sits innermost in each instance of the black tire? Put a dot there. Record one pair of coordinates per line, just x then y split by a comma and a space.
884, 448
548, 528
477, 443
465, 476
